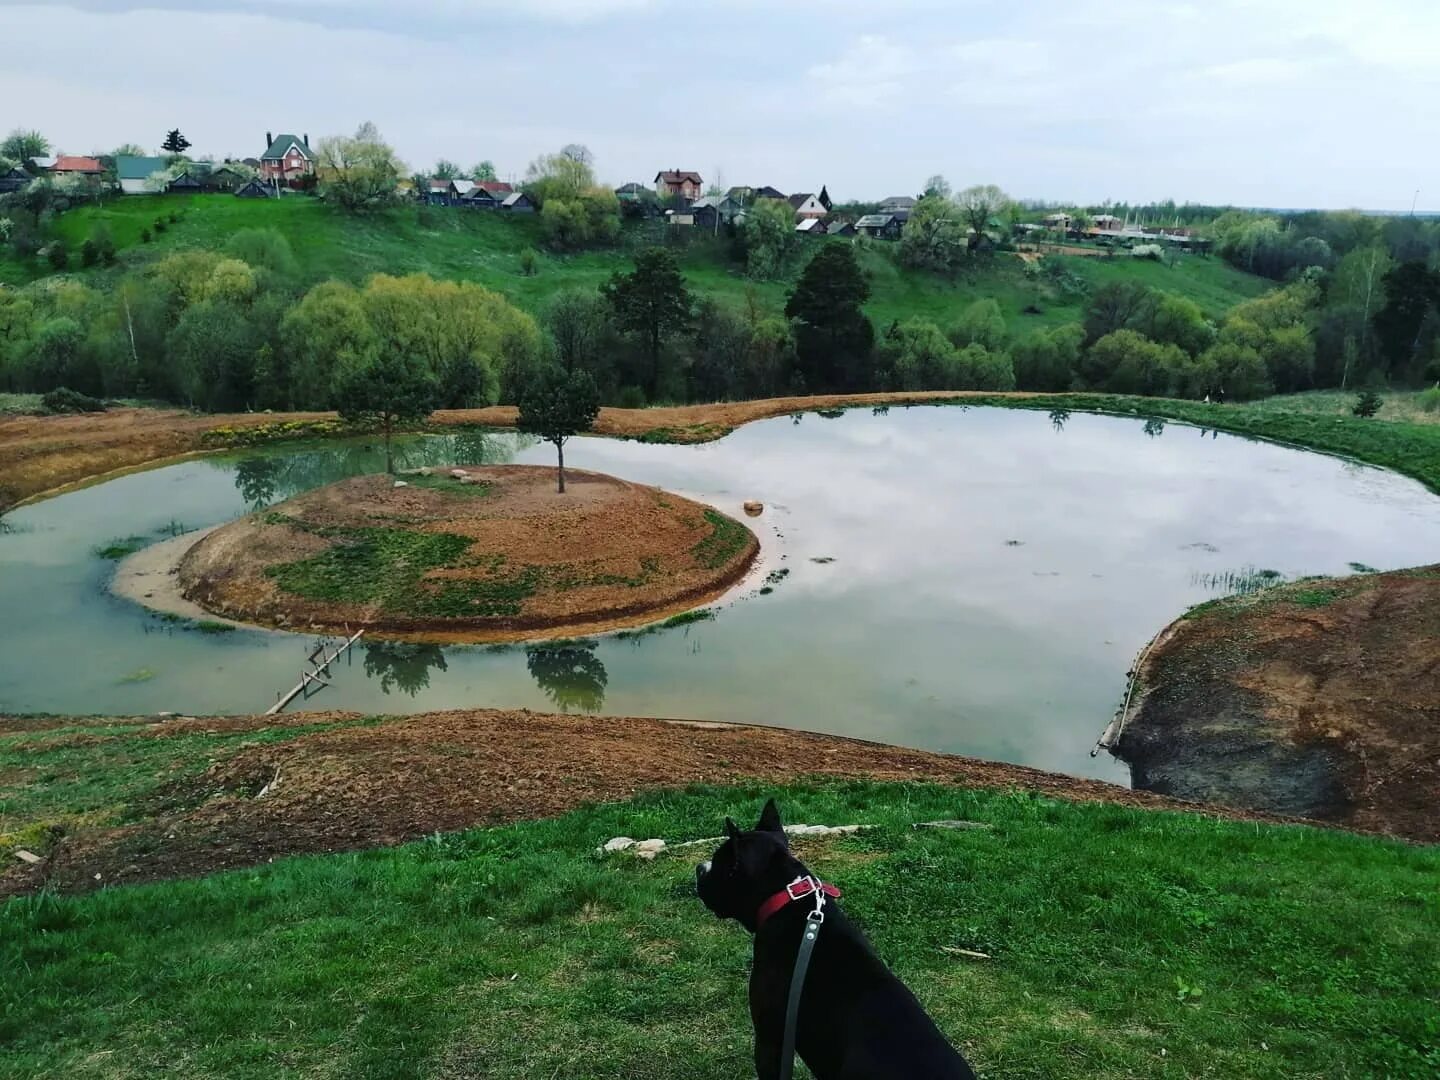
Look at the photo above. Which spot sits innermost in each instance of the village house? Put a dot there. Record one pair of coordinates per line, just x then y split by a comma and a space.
255, 188
748, 196
678, 184
1106, 222
1056, 221
134, 173
807, 205
13, 180
880, 226
897, 203
810, 226
287, 158
517, 202
71, 165
839, 228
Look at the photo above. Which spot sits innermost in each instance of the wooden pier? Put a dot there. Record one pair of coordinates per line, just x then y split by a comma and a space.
320, 661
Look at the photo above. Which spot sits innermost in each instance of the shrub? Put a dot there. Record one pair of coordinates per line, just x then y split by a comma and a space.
144, 235
630, 397
159, 226
1429, 400
64, 400
529, 263
1367, 404
57, 255
89, 253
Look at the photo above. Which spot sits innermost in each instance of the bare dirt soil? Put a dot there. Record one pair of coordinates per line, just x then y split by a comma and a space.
1319, 699
42, 454
323, 788
604, 554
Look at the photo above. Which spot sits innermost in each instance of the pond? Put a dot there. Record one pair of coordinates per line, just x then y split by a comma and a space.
972, 580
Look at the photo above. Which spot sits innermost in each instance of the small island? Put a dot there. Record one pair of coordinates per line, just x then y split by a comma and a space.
475, 554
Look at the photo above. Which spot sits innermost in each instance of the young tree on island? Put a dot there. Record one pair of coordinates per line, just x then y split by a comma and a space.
175, 143
386, 389
558, 405
651, 301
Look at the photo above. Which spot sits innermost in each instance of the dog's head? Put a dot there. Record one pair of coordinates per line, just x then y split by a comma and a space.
747, 868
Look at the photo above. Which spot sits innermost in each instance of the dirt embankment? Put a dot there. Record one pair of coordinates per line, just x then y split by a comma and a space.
1319, 699
470, 554
41, 454
219, 805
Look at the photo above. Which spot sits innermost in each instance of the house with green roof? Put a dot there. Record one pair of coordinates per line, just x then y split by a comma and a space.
134, 174
287, 158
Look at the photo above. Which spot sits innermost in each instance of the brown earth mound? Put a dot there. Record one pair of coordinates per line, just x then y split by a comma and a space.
1316, 699
478, 554
224, 792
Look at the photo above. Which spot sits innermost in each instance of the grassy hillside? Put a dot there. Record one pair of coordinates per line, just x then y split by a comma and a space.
1116, 943
486, 248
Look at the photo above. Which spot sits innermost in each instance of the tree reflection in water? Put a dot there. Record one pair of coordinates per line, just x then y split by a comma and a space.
1058, 418
266, 477
570, 674
403, 666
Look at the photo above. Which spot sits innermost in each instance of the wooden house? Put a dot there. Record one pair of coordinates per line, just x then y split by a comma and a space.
13, 180
517, 202
880, 226
134, 173
255, 188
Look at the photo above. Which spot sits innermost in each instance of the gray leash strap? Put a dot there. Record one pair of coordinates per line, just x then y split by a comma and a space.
813, 922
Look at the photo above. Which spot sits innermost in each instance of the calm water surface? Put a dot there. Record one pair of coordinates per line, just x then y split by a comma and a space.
987, 578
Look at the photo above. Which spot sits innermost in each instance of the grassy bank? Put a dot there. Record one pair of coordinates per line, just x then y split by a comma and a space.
1121, 944
486, 248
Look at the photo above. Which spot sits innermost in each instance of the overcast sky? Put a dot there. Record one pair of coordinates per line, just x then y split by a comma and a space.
1328, 103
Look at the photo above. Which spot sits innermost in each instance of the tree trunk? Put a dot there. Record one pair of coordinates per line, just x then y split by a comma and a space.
389, 458
560, 450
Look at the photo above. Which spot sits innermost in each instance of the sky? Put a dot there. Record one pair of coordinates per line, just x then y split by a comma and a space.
1280, 103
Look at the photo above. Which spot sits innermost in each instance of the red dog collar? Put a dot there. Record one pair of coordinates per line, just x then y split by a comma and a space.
798, 889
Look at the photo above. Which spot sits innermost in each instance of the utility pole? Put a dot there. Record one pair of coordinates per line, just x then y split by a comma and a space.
1413, 201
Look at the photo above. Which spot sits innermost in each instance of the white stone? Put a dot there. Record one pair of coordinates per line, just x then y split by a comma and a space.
619, 843
401, 483
648, 849
459, 474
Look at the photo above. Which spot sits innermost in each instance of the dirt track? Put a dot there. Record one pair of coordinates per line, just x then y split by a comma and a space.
1317, 699
40, 454
402, 778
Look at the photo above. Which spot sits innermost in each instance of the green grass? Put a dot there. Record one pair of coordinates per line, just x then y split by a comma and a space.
121, 547
21, 405
1122, 944
447, 485
98, 774
486, 248
725, 540
1408, 447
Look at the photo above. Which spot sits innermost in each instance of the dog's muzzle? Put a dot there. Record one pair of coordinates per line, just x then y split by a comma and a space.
700, 871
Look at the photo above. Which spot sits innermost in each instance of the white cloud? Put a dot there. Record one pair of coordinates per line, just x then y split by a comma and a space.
871, 71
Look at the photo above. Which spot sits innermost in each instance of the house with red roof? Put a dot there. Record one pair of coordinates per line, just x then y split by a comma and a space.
72, 165
287, 158
678, 184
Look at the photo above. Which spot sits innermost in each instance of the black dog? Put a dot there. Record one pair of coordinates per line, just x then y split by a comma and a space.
857, 1020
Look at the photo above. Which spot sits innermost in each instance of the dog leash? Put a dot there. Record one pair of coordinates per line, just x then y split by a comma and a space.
813, 921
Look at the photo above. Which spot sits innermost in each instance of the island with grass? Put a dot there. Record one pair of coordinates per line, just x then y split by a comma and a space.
474, 554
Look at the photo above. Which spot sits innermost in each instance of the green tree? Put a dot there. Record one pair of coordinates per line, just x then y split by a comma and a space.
652, 302
981, 324
1239, 370
1357, 290
213, 351
977, 206
445, 170
937, 187
1048, 359
587, 219
57, 255
833, 338
769, 236
578, 323
361, 171
54, 353
21, 146
565, 175
934, 237
1120, 305
718, 363
557, 405
264, 249
1176, 320
1127, 362
175, 143
916, 356
978, 368
1412, 293
386, 389
485, 171
327, 332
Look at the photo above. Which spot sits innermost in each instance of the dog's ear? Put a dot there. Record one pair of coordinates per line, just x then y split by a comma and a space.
732, 831
770, 818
